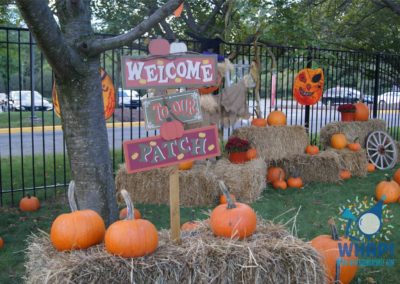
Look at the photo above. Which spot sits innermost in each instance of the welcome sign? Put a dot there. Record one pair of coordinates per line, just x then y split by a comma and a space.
169, 71
155, 152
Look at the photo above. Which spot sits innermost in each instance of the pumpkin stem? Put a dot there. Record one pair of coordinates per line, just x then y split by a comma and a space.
71, 196
225, 191
129, 205
28, 196
387, 177
334, 232
356, 139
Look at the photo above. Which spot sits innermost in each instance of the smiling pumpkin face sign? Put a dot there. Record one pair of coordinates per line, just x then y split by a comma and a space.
308, 86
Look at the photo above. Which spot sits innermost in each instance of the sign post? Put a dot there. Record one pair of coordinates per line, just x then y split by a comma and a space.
175, 218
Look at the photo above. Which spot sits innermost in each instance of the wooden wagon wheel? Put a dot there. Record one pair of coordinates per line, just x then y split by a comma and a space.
381, 150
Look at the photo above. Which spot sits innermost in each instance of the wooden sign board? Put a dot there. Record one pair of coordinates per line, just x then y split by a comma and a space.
169, 71
155, 152
184, 106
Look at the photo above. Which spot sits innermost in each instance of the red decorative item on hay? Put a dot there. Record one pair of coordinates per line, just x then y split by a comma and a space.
237, 149
347, 112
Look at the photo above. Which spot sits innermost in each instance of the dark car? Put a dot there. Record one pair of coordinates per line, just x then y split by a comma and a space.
129, 98
344, 95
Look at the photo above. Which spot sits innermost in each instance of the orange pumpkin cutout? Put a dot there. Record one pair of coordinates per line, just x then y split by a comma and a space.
108, 95
308, 86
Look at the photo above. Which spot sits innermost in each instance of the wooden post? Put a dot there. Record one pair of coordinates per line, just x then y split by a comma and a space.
174, 206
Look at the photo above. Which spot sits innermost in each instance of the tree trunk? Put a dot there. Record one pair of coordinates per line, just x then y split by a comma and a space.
87, 141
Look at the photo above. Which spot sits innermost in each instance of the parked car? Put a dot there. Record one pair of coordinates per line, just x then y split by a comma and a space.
129, 98
3, 102
344, 95
389, 98
22, 100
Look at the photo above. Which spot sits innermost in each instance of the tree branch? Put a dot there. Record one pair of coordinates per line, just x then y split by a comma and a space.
43, 26
169, 33
98, 46
211, 19
395, 7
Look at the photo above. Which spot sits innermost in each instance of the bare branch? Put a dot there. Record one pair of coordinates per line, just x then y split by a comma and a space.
97, 46
169, 33
211, 19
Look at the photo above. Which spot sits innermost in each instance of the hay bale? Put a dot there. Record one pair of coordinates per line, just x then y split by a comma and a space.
198, 186
355, 162
271, 255
275, 142
246, 181
351, 129
323, 167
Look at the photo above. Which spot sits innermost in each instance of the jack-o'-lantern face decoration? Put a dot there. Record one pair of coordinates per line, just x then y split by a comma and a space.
108, 95
308, 86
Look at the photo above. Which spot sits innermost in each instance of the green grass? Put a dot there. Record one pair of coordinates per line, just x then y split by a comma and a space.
315, 204
46, 119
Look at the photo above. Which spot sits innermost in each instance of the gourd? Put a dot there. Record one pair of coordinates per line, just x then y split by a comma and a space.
251, 154
259, 122
338, 141
355, 146
312, 150
388, 188
276, 118
29, 203
371, 168
274, 173
184, 166
345, 174
362, 112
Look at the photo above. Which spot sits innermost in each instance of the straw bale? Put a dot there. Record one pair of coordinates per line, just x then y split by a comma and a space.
246, 181
351, 129
198, 186
275, 142
271, 255
355, 162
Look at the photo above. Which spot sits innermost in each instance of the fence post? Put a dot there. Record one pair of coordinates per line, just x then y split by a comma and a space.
376, 87
307, 108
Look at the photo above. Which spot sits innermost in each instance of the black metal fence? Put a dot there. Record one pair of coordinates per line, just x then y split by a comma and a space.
32, 150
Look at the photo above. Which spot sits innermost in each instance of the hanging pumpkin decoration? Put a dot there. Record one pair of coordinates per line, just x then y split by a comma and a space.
159, 46
312, 150
79, 229
276, 118
371, 168
251, 154
273, 174
131, 237
362, 112
29, 203
328, 247
345, 174
108, 95
308, 86
338, 141
259, 122
184, 166
355, 146
171, 129
234, 219
124, 212
388, 188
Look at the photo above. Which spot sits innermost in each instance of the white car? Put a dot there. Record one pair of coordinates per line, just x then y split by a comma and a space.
22, 100
128, 98
389, 98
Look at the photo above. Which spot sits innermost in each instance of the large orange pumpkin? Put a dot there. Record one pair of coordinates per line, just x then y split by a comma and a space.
131, 237
338, 141
29, 203
388, 188
79, 229
308, 86
276, 118
234, 219
108, 95
328, 247
362, 112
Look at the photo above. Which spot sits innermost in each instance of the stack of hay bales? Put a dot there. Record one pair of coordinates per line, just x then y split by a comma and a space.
271, 255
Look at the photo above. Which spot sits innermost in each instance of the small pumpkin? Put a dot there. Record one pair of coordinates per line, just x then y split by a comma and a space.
223, 200
312, 150
177, 47
355, 146
388, 188
295, 182
274, 173
171, 129
396, 176
371, 167
251, 154
276, 118
1, 243
124, 212
190, 226
234, 219
308, 86
79, 229
345, 174
338, 141
362, 112
29, 203
159, 46
184, 166
328, 247
259, 122
131, 237
280, 184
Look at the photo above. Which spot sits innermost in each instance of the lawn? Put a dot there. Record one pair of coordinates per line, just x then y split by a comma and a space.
314, 204
23, 119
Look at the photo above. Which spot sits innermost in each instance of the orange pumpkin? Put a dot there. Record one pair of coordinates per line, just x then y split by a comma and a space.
362, 112
276, 118
274, 173
308, 86
234, 219
338, 141
388, 188
223, 200
251, 154
295, 182
131, 237
396, 176
371, 168
184, 166
124, 212
1, 243
345, 174
259, 122
159, 46
312, 150
328, 247
355, 146
29, 203
279, 184
108, 95
171, 129
190, 226
79, 229
211, 89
